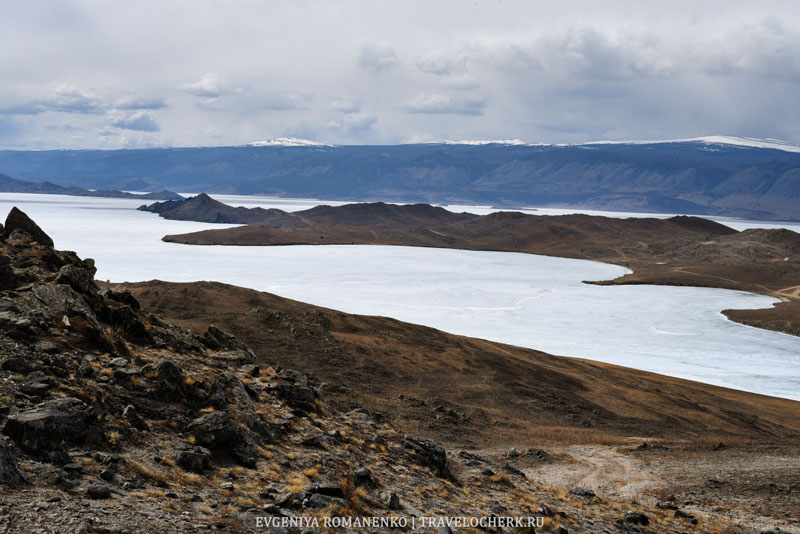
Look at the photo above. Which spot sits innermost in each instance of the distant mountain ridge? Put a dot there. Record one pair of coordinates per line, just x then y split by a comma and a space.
757, 179
203, 208
12, 185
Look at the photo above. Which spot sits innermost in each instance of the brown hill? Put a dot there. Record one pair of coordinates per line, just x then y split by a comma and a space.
118, 420
115, 420
676, 251
468, 391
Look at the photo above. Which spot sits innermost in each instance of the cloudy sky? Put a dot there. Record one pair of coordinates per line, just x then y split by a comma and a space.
108, 74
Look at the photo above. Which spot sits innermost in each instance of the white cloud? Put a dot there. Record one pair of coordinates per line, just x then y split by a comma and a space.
65, 98
209, 86
344, 105
443, 104
142, 121
135, 102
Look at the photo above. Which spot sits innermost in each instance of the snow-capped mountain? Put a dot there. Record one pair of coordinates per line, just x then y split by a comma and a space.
288, 141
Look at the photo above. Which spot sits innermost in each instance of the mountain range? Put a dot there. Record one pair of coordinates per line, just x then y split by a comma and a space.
704, 176
12, 185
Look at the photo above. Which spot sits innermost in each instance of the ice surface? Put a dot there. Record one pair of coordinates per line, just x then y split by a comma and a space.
521, 299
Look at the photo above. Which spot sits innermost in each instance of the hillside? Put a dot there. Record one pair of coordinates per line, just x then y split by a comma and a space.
12, 185
115, 419
703, 176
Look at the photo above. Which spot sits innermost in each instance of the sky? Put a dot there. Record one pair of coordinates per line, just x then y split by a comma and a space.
113, 74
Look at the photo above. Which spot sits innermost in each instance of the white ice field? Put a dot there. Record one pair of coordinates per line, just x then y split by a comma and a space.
520, 299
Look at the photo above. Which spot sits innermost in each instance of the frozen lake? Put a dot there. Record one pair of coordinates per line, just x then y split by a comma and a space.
521, 299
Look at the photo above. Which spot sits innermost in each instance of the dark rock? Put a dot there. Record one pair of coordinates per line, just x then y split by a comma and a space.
562, 530
487, 472
122, 297
514, 471
720, 447
318, 500
216, 339
317, 440
98, 492
86, 369
130, 415
362, 477
16, 365
217, 432
8, 280
636, 518
390, 500
546, 511
47, 425
251, 369
108, 474
331, 490
301, 397
73, 469
17, 220
196, 460
291, 499
471, 456
9, 468
686, 516
168, 377
427, 452
35, 389
583, 492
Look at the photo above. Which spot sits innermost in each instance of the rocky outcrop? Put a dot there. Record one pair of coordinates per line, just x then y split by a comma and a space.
217, 432
429, 453
53, 424
17, 220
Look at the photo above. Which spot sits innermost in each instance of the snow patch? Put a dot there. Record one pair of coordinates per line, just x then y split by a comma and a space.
749, 142
288, 141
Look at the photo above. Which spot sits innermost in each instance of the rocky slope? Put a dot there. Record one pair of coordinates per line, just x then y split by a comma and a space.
118, 421
115, 420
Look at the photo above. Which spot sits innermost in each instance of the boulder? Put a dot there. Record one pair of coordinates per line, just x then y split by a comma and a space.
46, 426
583, 492
428, 453
390, 500
9, 468
129, 414
98, 492
217, 432
168, 377
636, 518
18, 220
300, 397
196, 460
